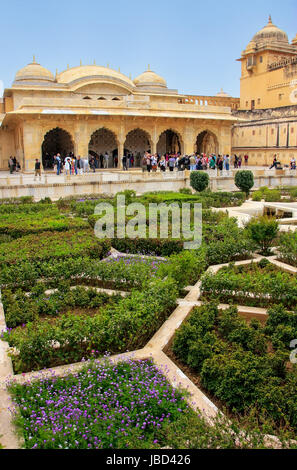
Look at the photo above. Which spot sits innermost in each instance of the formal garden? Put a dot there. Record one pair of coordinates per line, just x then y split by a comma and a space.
84, 323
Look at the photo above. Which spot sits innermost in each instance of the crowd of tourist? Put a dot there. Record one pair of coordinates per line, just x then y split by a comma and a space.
72, 165
191, 162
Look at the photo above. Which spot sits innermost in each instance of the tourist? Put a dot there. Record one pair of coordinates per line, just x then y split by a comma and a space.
154, 163
212, 163
92, 164
246, 158
148, 162
192, 162
101, 160
124, 162
67, 166
227, 163
162, 164
143, 163
239, 161
199, 163
106, 158
187, 162
171, 163
235, 161
204, 162
115, 161
10, 165
274, 163
79, 165
59, 163
293, 163
37, 169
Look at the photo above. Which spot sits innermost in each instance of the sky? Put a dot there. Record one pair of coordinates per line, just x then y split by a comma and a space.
193, 44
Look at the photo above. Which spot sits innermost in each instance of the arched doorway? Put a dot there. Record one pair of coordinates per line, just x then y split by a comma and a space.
207, 142
55, 141
169, 142
137, 142
104, 141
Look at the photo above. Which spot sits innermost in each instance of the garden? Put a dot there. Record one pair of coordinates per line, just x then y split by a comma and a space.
71, 299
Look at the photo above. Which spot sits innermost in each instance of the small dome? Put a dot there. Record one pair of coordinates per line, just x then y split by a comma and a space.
34, 71
270, 33
150, 79
223, 94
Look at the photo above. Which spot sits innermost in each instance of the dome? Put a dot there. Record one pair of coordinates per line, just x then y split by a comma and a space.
222, 94
34, 71
93, 72
270, 33
150, 79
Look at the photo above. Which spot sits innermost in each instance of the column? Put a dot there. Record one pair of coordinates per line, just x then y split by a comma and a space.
120, 153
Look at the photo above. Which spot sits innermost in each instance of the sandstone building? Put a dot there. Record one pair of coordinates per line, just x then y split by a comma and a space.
94, 109
268, 98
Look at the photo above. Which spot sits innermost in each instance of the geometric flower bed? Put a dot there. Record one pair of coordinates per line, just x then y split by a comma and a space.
104, 405
142, 321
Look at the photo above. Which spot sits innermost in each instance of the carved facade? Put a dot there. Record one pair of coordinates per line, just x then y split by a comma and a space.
94, 109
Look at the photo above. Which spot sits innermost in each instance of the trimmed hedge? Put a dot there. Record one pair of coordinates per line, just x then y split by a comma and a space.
49, 245
127, 325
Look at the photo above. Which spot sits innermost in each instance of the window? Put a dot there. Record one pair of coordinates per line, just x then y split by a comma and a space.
261, 59
254, 132
280, 96
259, 101
253, 104
247, 104
292, 130
272, 131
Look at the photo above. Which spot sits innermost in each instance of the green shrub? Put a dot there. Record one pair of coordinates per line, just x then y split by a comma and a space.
288, 247
244, 180
263, 231
199, 180
185, 191
49, 245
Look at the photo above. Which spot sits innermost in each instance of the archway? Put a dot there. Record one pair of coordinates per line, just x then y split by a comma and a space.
207, 142
169, 142
137, 142
104, 141
55, 141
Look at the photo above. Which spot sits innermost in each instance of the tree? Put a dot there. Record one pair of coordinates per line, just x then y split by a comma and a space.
263, 231
199, 180
244, 180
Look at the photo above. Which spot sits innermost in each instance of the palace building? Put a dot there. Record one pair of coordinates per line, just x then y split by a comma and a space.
92, 109
268, 98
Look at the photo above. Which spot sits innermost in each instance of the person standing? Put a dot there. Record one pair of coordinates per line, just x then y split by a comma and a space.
227, 163
68, 166
10, 165
246, 158
162, 164
37, 169
58, 162
148, 162
143, 163
106, 158
192, 162
124, 161
171, 163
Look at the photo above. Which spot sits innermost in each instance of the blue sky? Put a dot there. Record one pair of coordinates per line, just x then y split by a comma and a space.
193, 44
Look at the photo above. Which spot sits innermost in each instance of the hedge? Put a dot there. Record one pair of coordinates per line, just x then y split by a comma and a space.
124, 326
48, 245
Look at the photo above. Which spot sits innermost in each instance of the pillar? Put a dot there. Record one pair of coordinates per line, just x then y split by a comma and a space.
120, 153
